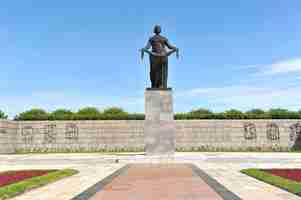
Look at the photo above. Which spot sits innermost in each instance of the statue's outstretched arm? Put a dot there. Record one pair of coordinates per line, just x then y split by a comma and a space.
148, 45
170, 46
173, 49
145, 49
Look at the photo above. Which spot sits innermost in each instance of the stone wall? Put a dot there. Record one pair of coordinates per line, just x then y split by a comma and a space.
238, 134
8, 136
79, 135
226, 135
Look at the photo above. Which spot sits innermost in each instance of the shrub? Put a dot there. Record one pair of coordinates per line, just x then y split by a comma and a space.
255, 111
33, 114
2, 115
61, 114
180, 116
201, 114
256, 114
219, 116
136, 116
234, 114
278, 113
114, 111
88, 113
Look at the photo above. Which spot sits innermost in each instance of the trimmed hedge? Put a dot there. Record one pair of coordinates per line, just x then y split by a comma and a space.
115, 113
277, 113
88, 113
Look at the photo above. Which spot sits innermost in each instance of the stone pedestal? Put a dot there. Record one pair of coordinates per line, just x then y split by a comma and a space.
159, 127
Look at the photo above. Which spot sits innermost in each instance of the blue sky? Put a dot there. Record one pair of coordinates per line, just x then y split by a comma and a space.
71, 54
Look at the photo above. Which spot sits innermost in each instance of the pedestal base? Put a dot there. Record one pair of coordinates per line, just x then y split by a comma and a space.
159, 127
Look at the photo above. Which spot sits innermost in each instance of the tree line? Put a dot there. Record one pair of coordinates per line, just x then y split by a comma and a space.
116, 113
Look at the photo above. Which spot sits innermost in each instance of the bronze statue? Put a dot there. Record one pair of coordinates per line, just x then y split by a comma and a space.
159, 58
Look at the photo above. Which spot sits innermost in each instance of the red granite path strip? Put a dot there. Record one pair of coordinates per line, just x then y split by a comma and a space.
157, 182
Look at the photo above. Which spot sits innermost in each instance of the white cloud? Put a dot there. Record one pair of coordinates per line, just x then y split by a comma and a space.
279, 67
246, 97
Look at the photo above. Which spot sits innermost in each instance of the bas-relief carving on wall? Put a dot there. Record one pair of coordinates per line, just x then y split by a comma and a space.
27, 133
71, 132
50, 132
250, 131
295, 131
273, 133
3, 131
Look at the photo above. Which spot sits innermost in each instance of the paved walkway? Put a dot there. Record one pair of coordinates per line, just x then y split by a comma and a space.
224, 167
157, 181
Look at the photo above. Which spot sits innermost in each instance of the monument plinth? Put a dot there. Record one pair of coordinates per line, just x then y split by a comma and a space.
159, 127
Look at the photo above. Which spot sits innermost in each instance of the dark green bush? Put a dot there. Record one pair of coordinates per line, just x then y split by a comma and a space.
278, 113
61, 114
182, 116
136, 116
3, 115
33, 114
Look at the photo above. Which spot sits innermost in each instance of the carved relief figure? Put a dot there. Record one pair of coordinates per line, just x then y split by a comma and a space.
27, 133
50, 133
273, 132
3, 131
250, 131
295, 131
71, 132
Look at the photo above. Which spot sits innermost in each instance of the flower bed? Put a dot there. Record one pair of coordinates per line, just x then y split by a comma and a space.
22, 181
292, 174
10, 177
286, 179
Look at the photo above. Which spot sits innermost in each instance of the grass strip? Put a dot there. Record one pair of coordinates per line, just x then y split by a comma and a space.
283, 183
20, 187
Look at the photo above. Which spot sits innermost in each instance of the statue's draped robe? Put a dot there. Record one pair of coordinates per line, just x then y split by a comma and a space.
158, 71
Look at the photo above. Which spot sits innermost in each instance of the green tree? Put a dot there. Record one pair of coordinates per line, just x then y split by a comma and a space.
234, 114
256, 111
3, 115
200, 113
114, 111
88, 113
33, 114
279, 113
61, 114
256, 114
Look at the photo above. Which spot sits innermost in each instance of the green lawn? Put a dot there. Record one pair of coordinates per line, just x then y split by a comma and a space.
20, 187
283, 183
